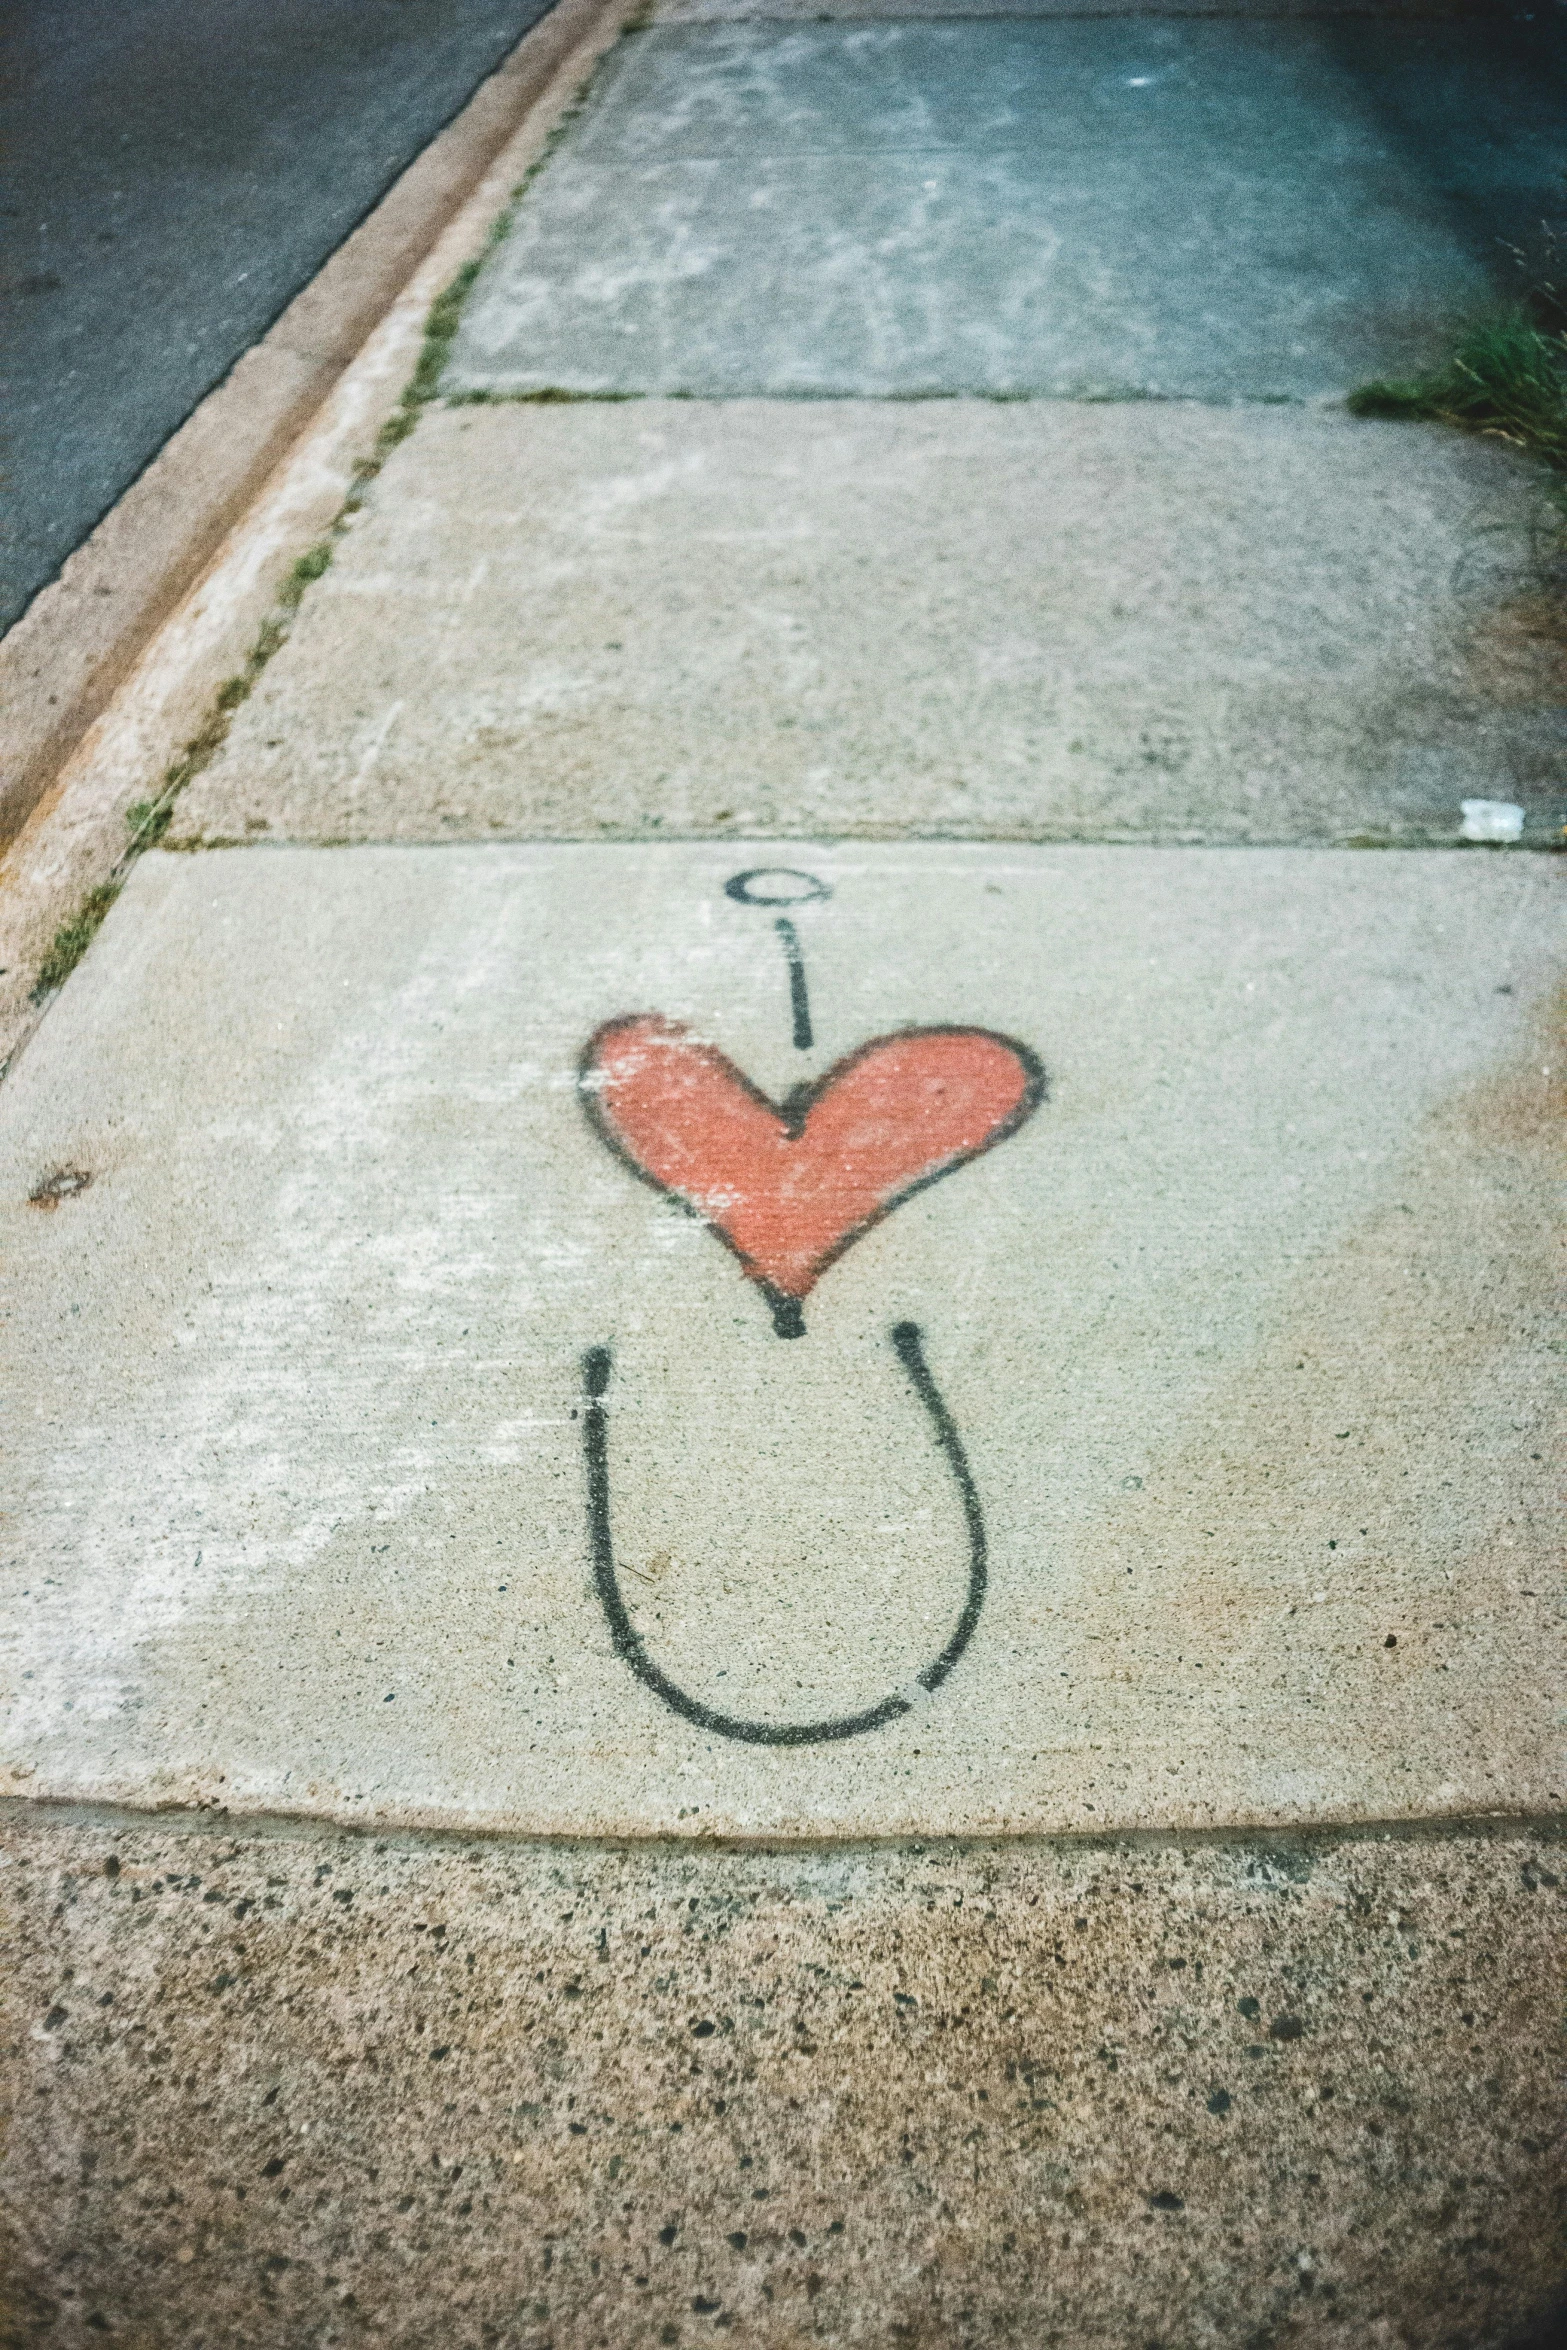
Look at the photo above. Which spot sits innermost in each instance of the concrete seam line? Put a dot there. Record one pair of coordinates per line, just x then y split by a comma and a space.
64, 1812
82, 633
71, 849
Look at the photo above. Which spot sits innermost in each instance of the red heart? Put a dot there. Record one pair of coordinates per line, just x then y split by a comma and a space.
789, 1185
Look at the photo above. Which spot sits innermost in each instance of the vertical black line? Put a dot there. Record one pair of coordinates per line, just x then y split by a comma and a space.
799, 997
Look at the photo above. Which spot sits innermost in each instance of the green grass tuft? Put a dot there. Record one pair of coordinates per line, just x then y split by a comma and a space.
305, 573
72, 940
439, 329
149, 821
1508, 377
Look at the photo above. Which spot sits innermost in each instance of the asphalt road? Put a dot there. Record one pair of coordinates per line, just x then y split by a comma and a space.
174, 173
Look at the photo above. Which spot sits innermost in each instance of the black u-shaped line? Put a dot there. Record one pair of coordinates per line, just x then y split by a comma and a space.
628, 1641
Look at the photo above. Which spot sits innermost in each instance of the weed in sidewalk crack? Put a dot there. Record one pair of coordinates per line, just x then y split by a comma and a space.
1507, 377
548, 396
148, 819
306, 572
445, 313
72, 940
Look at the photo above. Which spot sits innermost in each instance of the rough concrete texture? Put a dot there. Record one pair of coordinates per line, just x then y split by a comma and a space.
1247, 1335
1043, 621
1070, 206
273, 2090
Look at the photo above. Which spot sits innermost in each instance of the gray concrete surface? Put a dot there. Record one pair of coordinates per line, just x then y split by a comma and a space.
174, 176
1170, 623
276, 2089
300, 1507
1104, 209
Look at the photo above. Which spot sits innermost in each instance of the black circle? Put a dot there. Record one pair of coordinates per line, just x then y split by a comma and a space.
738, 886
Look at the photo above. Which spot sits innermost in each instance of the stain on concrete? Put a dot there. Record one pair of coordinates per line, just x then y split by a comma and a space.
64, 1183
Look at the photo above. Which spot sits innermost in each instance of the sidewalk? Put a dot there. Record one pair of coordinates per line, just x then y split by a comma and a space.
783, 1558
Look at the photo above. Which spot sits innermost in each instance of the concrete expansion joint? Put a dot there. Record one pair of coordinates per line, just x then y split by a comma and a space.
49, 1813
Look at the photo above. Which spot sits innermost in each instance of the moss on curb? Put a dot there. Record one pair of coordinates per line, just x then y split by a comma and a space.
445, 312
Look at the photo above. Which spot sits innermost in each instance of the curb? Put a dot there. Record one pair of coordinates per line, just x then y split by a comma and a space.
81, 635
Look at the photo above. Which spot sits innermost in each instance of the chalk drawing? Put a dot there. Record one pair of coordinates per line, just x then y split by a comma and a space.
788, 1186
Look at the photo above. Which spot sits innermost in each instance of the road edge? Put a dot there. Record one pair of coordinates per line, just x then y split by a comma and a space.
82, 634
65, 863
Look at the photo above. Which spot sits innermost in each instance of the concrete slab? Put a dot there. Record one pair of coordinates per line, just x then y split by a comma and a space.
277, 2088
1089, 208
383, 1447
1149, 623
